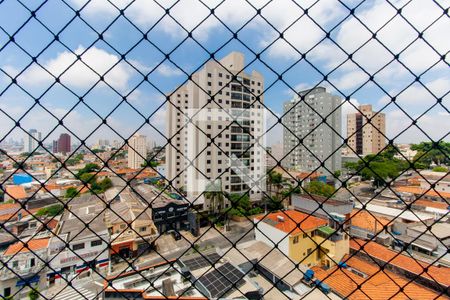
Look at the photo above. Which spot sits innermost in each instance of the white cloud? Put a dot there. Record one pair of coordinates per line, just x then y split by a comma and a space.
168, 71
76, 73
417, 98
434, 124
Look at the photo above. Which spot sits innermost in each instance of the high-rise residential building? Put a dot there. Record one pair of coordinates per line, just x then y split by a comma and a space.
312, 136
366, 137
32, 139
64, 144
213, 122
55, 146
137, 151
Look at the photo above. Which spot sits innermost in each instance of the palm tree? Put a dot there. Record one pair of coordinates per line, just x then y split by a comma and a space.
214, 194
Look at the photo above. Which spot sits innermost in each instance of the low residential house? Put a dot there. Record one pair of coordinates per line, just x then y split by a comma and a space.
167, 213
24, 266
401, 218
15, 193
304, 238
80, 246
130, 225
330, 207
411, 269
367, 226
359, 279
430, 243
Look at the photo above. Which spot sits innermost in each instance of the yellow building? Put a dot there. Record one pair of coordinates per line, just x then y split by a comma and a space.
303, 238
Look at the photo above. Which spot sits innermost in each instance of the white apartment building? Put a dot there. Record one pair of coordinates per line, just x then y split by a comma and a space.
137, 151
309, 140
32, 139
215, 139
366, 137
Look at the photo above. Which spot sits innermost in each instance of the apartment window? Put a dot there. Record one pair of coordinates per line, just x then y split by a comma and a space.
209, 75
219, 126
220, 74
228, 76
305, 235
78, 246
15, 264
309, 251
143, 229
209, 83
7, 292
295, 241
122, 226
32, 262
208, 126
96, 243
208, 161
208, 170
220, 83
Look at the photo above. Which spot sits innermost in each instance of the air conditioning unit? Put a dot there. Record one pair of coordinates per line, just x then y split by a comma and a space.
280, 218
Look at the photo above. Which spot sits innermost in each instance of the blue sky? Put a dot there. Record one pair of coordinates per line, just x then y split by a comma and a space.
122, 37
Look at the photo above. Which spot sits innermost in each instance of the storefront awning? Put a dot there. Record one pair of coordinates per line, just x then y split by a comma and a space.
26, 281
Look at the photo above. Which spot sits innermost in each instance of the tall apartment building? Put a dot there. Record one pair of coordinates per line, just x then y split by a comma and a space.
320, 140
32, 140
64, 144
137, 151
220, 138
366, 138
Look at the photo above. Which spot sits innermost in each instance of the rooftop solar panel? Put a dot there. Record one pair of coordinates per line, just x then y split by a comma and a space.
220, 281
199, 262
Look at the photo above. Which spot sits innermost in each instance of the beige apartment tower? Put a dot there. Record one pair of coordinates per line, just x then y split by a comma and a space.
366, 138
212, 123
137, 151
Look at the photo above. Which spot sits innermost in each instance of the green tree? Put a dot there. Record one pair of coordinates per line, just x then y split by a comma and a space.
428, 153
33, 294
215, 195
88, 168
274, 179
50, 211
87, 178
17, 165
71, 193
320, 188
440, 169
105, 184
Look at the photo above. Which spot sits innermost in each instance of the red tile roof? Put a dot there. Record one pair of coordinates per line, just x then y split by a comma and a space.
293, 221
377, 285
16, 191
33, 245
363, 219
418, 191
429, 203
439, 274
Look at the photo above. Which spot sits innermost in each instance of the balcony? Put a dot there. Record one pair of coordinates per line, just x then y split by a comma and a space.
6, 273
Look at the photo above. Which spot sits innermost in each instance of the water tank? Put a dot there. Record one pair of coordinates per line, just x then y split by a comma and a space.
309, 274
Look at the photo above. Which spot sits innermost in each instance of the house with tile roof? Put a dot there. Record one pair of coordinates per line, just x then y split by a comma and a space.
434, 277
365, 225
360, 279
304, 238
24, 265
